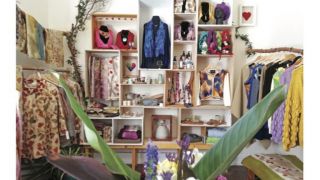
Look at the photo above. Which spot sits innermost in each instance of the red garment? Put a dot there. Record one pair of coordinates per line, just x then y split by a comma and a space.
124, 38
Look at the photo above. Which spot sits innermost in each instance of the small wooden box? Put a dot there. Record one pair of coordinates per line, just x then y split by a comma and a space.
154, 125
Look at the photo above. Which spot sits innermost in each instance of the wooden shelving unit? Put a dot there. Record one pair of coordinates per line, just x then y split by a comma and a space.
184, 42
214, 55
178, 111
142, 84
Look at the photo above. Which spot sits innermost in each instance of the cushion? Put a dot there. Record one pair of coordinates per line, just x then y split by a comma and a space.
275, 166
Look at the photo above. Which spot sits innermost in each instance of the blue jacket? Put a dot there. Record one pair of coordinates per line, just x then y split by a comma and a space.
156, 46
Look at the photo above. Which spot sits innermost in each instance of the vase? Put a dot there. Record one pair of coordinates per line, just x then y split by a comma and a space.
162, 131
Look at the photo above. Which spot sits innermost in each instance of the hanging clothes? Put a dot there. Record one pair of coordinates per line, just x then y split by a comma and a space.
252, 85
293, 116
35, 39
18, 136
54, 48
21, 31
277, 118
268, 78
265, 132
104, 77
156, 45
43, 118
275, 83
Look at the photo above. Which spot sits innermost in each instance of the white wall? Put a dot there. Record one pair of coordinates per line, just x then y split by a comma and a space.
279, 23
35, 8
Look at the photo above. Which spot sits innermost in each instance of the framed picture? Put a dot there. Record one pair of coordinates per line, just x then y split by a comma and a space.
161, 127
130, 66
247, 15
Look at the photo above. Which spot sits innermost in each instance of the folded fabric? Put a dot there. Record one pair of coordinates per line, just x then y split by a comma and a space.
216, 132
212, 140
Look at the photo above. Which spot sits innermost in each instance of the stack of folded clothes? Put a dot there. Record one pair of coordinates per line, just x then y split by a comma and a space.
214, 135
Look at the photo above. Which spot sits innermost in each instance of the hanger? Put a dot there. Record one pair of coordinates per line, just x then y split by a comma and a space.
49, 77
263, 59
209, 69
299, 62
298, 58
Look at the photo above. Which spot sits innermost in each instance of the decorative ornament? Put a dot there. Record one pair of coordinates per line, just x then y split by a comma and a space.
245, 38
131, 66
246, 15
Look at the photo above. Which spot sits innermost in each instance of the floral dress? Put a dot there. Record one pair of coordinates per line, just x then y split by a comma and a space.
43, 119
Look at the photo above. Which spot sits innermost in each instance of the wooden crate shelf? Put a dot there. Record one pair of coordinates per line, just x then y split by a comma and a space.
177, 47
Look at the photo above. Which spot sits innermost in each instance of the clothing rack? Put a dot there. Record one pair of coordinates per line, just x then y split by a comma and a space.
271, 50
42, 69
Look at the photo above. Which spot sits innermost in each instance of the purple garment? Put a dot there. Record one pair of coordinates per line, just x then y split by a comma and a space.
278, 116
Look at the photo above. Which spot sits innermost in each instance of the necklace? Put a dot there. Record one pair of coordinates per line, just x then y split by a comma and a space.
205, 16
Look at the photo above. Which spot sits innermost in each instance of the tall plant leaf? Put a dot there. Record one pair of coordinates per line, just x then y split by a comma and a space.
109, 157
220, 156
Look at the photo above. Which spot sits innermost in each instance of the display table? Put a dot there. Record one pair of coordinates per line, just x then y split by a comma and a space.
162, 145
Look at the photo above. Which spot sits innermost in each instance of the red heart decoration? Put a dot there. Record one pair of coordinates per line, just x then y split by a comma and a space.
246, 15
131, 66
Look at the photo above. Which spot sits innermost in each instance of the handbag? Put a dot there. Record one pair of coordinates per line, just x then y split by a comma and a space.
132, 132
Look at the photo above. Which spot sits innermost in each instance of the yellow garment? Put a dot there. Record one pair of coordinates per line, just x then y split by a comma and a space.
293, 116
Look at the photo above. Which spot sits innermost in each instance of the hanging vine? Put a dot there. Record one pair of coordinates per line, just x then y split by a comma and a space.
85, 10
245, 38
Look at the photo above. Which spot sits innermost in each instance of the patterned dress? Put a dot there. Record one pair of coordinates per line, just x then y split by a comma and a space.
43, 119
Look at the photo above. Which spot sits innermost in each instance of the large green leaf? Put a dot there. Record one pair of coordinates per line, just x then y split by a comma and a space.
82, 168
220, 156
109, 157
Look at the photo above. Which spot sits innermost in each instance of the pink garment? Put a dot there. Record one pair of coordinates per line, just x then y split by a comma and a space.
104, 78
113, 77
101, 44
